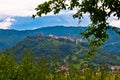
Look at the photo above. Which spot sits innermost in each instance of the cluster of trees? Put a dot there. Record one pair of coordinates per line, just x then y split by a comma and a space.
43, 69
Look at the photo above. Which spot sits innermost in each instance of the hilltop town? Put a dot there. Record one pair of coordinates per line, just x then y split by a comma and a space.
41, 35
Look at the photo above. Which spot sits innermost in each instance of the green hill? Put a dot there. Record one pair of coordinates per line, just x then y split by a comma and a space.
9, 38
46, 46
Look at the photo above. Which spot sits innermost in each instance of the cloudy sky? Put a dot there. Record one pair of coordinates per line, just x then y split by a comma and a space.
16, 14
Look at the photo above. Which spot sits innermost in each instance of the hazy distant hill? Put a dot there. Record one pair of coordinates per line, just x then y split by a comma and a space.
113, 44
8, 38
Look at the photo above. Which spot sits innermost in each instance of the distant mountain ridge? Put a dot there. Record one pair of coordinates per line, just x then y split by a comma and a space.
8, 38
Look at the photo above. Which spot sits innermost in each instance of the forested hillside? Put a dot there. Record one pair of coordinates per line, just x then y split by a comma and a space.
11, 37
47, 47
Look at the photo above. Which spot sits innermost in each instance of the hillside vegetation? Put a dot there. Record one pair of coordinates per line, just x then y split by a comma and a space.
43, 69
46, 46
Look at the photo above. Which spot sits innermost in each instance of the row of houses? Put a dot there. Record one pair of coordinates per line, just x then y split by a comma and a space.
77, 40
114, 68
65, 69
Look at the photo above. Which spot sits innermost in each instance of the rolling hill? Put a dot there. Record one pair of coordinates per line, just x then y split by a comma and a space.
8, 38
11, 37
46, 46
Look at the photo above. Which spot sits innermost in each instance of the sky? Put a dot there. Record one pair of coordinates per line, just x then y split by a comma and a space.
16, 14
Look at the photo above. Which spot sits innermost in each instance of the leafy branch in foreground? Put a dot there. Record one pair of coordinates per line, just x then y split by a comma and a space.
99, 11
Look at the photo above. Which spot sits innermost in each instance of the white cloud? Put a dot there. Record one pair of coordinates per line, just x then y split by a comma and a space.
10, 8
115, 23
18, 7
6, 24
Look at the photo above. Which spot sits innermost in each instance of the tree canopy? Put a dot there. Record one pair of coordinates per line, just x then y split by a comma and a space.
99, 11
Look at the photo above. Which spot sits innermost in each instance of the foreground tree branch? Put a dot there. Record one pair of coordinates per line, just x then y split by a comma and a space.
99, 11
